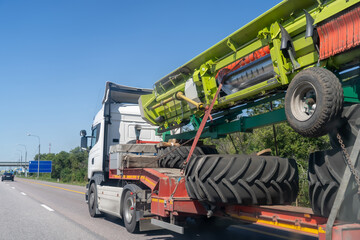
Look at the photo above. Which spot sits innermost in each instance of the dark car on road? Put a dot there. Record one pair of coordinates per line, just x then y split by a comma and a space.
7, 176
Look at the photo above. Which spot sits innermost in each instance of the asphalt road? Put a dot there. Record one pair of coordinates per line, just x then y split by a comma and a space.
40, 210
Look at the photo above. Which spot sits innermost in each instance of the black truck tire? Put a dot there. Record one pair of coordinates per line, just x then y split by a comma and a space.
242, 179
92, 202
326, 169
174, 157
313, 102
129, 212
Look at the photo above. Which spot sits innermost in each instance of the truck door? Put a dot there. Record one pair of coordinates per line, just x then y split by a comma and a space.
95, 154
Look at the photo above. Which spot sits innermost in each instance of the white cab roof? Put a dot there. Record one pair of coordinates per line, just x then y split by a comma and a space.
116, 93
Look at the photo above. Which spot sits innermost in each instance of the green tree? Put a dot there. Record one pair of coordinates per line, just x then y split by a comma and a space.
68, 166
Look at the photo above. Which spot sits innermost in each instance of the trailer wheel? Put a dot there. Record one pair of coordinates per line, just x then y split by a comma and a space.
326, 169
242, 179
129, 212
174, 157
92, 203
313, 102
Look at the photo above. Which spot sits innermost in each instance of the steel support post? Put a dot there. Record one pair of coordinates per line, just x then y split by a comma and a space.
342, 189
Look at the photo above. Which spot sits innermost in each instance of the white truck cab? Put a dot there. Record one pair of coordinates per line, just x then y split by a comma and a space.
118, 122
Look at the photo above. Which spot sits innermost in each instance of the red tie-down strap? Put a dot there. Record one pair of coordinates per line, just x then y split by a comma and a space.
221, 75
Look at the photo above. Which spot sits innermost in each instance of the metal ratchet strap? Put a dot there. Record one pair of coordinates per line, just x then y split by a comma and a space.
204, 120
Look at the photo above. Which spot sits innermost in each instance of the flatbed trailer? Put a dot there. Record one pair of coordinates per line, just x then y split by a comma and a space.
160, 198
169, 198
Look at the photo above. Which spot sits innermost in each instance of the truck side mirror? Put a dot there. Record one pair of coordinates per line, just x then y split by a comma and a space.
83, 133
83, 140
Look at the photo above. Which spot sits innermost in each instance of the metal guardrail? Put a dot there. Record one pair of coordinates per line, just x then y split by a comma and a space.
14, 164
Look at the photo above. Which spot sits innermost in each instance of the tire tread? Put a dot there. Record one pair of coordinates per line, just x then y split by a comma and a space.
242, 179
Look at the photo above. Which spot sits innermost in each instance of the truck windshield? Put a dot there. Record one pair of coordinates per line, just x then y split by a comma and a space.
95, 134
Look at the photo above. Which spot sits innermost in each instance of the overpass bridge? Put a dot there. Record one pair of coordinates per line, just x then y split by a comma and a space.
14, 164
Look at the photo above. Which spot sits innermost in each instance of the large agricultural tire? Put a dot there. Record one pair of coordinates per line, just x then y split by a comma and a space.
348, 128
207, 150
174, 157
242, 179
326, 169
313, 102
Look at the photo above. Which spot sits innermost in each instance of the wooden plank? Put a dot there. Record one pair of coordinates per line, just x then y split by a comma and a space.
140, 161
134, 148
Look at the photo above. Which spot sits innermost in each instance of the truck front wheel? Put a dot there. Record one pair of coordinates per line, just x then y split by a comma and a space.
92, 203
129, 212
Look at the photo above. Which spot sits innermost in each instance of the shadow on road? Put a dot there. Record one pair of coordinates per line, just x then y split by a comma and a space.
237, 231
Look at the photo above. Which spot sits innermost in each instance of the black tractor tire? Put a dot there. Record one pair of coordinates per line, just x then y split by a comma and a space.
326, 169
129, 212
174, 157
348, 128
242, 179
208, 150
92, 202
317, 87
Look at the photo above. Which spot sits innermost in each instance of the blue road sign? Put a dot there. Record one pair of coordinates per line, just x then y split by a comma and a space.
45, 166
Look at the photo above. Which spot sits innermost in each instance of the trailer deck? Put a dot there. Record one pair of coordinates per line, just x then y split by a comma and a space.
169, 198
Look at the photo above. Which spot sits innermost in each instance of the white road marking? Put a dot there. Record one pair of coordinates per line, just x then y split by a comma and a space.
47, 208
23, 193
13, 187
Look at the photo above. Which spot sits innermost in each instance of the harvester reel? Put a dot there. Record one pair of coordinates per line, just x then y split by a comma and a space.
313, 102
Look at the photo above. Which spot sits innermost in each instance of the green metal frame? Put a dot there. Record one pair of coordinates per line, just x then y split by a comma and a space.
244, 124
229, 121
351, 86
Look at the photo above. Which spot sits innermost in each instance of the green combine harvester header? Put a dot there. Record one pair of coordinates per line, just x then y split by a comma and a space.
306, 49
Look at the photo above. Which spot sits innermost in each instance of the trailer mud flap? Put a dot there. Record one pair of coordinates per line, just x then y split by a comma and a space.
146, 225
168, 226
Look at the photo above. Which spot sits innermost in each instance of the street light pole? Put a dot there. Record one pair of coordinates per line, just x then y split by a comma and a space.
25, 157
30, 135
20, 159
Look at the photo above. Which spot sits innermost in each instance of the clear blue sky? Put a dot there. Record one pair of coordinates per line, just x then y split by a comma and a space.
56, 55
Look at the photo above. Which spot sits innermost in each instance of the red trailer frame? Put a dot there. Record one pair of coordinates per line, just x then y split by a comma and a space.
170, 198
